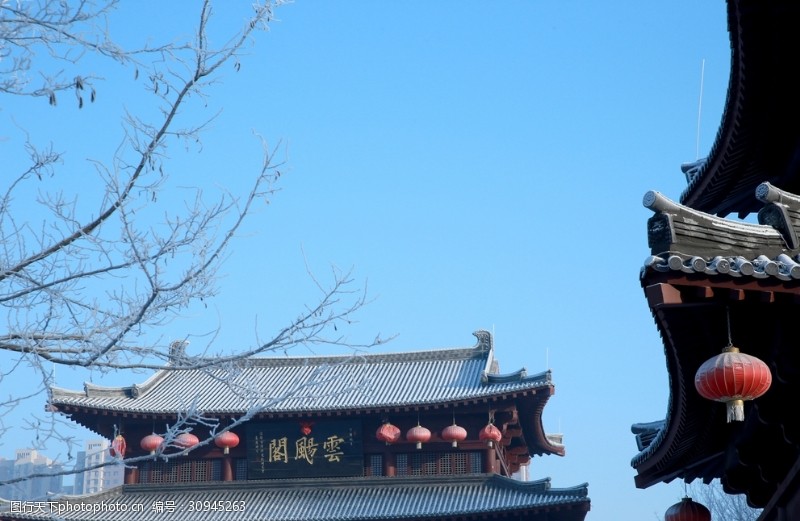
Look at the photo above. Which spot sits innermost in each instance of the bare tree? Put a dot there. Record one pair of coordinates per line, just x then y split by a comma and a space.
730, 507
89, 285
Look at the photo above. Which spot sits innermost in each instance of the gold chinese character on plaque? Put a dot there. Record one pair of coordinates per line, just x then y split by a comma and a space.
332, 448
278, 451
306, 448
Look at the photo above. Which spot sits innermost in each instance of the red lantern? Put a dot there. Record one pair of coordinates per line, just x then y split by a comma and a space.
388, 433
305, 427
687, 510
186, 440
151, 442
118, 447
226, 441
732, 377
490, 434
454, 434
418, 435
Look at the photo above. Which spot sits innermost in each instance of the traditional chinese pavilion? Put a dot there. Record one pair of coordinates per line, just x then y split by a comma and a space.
419, 435
713, 282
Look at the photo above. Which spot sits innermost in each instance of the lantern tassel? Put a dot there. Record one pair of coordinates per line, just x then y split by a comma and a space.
735, 410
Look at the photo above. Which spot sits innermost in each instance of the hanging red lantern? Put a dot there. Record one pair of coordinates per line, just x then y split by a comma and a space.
151, 443
388, 433
418, 435
186, 440
226, 441
305, 427
454, 434
732, 377
118, 447
490, 434
687, 510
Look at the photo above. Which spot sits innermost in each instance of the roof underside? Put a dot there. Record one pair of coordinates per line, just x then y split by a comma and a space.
695, 441
758, 139
709, 282
356, 499
343, 385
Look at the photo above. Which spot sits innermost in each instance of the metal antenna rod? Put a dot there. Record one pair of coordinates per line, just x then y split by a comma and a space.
700, 108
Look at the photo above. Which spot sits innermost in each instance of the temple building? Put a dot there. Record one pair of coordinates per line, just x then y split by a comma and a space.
716, 284
428, 435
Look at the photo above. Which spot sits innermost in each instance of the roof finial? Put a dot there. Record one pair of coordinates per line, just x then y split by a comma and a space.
177, 351
484, 340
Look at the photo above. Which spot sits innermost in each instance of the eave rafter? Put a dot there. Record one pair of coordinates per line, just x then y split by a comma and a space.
696, 443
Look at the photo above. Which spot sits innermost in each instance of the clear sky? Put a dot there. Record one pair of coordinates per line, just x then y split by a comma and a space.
480, 164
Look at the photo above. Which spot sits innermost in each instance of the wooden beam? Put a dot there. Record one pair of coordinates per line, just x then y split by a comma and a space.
680, 279
704, 292
661, 294
736, 294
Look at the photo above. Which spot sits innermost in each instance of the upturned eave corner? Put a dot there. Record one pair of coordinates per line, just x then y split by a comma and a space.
485, 342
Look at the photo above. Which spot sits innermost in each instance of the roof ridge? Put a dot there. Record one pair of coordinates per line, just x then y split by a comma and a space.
429, 354
581, 490
482, 349
540, 486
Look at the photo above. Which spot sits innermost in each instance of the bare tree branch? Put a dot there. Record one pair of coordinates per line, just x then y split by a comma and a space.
86, 282
731, 507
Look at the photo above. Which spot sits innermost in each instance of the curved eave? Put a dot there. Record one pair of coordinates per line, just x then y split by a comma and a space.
531, 401
695, 441
683, 436
539, 442
489, 398
758, 139
485, 395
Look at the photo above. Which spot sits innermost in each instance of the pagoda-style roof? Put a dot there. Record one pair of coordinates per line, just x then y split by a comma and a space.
341, 385
342, 499
315, 384
758, 139
706, 272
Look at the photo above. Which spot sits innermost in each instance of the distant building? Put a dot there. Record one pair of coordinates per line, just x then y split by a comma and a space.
80, 463
96, 480
27, 463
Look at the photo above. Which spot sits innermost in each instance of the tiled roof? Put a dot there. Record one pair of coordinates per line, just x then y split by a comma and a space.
756, 140
782, 267
286, 385
648, 438
325, 500
685, 240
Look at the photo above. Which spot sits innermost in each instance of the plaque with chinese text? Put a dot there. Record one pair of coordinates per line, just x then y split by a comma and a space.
278, 450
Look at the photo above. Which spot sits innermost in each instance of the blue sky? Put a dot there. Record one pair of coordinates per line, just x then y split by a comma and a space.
479, 165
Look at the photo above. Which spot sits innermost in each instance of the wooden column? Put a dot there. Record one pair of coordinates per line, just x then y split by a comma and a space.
131, 476
389, 463
490, 461
227, 468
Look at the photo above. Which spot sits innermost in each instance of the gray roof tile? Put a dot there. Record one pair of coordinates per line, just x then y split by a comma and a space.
782, 267
329, 500
286, 385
